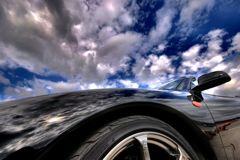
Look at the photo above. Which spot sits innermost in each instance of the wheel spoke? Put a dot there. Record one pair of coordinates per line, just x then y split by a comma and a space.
183, 155
159, 145
144, 146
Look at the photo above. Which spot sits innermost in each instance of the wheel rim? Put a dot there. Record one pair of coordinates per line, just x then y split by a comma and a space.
147, 146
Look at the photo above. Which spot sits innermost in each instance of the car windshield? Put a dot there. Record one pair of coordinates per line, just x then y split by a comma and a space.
172, 85
182, 84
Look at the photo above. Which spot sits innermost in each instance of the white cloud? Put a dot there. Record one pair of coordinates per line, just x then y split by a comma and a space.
232, 67
231, 88
160, 47
194, 60
129, 84
191, 60
106, 33
213, 60
160, 64
219, 67
64, 86
192, 13
153, 70
214, 54
236, 42
109, 10
193, 9
126, 19
163, 25
214, 39
192, 52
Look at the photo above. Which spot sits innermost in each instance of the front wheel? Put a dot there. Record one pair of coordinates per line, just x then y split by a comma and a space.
135, 138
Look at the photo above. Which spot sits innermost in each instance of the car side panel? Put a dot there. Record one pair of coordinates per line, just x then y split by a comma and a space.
226, 114
36, 122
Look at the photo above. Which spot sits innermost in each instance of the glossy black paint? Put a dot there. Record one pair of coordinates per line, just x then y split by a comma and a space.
32, 124
226, 114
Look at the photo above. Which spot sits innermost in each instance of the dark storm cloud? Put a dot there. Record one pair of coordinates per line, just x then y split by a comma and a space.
32, 34
27, 37
62, 21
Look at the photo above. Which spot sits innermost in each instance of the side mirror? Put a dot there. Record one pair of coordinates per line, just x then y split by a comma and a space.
211, 80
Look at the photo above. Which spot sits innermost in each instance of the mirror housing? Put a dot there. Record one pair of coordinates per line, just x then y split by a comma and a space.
211, 80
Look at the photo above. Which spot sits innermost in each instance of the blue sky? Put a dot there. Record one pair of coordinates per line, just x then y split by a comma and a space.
48, 47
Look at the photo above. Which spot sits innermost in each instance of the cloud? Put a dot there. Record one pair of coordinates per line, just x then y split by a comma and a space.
163, 26
153, 70
27, 37
160, 47
191, 60
194, 60
192, 53
214, 39
61, 19
193, 13
129, 84
4, 80
18, 92
86, 41
82, 41
119, 46
232, 67
59, 38
214, 59
236, 42
160, 64
193, 9
63, 31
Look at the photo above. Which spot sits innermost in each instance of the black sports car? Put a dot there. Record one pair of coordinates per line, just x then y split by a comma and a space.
175, 122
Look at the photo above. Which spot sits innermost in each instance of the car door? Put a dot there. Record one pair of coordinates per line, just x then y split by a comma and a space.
202, 114
226, 115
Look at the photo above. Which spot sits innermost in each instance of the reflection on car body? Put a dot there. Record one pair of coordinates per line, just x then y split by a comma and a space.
41, 127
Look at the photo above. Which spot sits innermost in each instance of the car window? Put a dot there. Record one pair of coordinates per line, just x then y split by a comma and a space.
172, 85
183, 86
192, 85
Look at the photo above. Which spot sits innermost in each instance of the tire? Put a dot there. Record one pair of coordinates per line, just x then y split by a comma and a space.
133, 133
